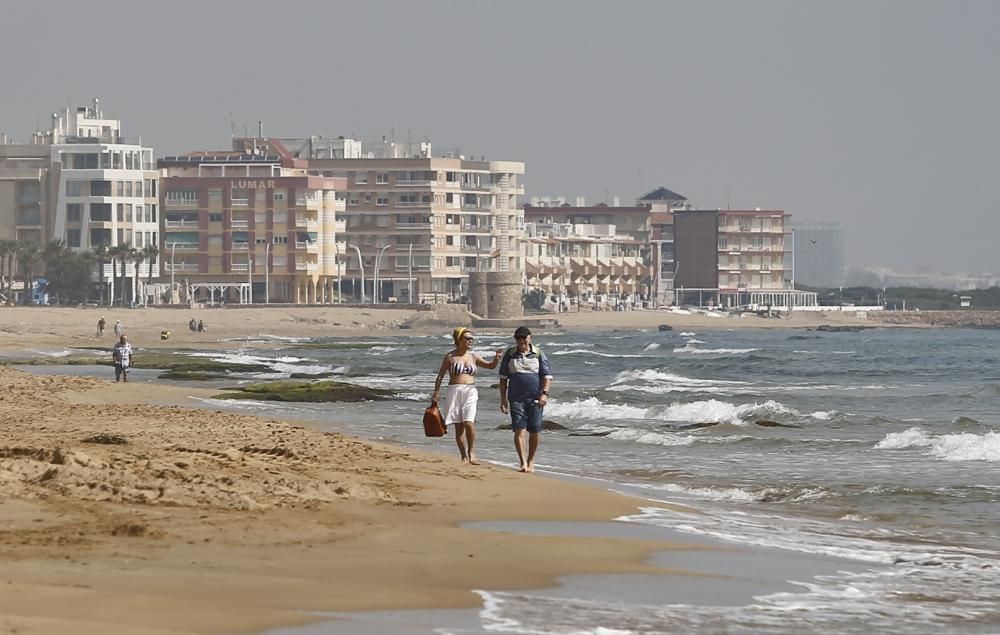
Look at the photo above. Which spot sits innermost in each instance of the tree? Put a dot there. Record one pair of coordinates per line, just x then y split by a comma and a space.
152, 254
28, 254
55, 257
100, 255
119, 255
8, 249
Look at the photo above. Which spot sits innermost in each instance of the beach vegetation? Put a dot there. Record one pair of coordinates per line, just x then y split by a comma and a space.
297, 391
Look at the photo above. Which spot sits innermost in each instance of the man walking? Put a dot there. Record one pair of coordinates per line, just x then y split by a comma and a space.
122, 354
524, 390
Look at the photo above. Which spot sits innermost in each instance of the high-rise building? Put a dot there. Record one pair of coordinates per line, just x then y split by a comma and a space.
251, 225
80, 182
419, 224
817, 256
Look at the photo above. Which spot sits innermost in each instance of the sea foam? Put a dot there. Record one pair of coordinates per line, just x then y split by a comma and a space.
947, 447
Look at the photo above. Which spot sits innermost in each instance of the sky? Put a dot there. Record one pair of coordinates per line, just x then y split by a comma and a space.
883, 116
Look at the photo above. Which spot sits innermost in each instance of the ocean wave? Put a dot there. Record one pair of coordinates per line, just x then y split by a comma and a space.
652, 346
947, 447
714, 351
687, 333
715, 411
584, 351
593, 408
694, 341
648, 437
660, 377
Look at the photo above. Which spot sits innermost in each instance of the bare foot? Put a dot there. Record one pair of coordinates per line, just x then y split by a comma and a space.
473, 460
523, 468
529, 468
465, 459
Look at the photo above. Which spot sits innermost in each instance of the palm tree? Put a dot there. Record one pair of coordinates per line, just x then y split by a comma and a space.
54, 256
28, 255
152, 254
101, 254
7, 249
118, 254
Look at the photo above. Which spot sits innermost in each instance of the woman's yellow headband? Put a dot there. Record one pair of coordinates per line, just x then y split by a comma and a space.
457, 334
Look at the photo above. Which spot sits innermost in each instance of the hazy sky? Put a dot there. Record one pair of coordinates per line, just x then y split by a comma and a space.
884, 116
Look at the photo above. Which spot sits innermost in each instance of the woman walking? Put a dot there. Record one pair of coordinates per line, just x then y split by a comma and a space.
460, 407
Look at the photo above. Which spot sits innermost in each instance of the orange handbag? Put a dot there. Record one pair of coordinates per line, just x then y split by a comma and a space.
434, 422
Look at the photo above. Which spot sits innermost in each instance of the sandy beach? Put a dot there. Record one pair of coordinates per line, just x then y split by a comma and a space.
51, 328
120, 516
123, 517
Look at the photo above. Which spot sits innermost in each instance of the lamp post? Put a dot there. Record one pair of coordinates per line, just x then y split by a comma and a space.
378, 259
249, 275
336, 262
172, 247
267, 274
793, 259
361, 266
409, 277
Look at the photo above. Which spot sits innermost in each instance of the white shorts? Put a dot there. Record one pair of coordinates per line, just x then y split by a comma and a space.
460, 404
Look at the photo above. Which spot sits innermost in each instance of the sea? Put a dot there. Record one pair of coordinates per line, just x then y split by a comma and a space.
878, 450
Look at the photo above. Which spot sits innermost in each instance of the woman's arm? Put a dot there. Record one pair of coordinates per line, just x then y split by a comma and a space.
445, 365
485, 364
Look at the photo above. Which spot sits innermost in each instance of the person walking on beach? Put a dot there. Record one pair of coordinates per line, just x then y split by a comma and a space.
460, 409
122, 354
100, 327
119, 328
525, 378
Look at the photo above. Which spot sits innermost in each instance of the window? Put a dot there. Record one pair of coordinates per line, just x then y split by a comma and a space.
72, 237
381, 221
73, 213
279, 195
215, 197
280, 240
128, 212
215, 218
368, 198
449, 240
361, 177
757, 243
121, 212
381, 178
382, 201
74, 188
723, 242
138, 239
152, 212
353, 200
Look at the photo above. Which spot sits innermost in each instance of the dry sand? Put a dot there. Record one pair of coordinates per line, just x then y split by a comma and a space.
122, 517
211, 522
49, 329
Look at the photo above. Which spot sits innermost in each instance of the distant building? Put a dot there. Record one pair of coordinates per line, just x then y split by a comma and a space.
737, 256
251, 225
420, 224
662, 204
817, 257
80, 182
597, 253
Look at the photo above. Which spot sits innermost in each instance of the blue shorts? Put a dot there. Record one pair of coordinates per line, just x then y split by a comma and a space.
526, 415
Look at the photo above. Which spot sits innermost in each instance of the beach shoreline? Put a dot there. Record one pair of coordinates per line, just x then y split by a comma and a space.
124, 517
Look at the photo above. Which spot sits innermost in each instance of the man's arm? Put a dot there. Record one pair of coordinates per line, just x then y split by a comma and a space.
504, 364
545, 377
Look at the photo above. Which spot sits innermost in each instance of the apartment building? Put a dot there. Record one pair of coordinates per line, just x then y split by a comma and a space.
599, 254
662, 203
81, 182
417, 224
251, 225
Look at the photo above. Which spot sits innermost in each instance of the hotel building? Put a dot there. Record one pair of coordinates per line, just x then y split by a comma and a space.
80, 182
251, 225
417, 225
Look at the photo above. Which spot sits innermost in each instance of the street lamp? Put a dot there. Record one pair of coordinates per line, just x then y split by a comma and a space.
361, 266
267, 272
173, 246
409, 277
336, 262
378, 259
249, 275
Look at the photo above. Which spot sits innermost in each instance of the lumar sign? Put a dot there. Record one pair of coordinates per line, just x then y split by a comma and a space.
253, 184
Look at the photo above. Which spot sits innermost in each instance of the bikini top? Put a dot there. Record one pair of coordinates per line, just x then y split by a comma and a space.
461, 368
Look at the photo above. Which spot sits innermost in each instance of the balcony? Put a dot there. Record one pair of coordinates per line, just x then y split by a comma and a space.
177, 224
180, 246
315, 203
240, 268
307, 224
308, 246
413, 225
239, 224
179, 267
415, 183
241, 246
306, 266
239, 202
340, 225
413, 204
181, 203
